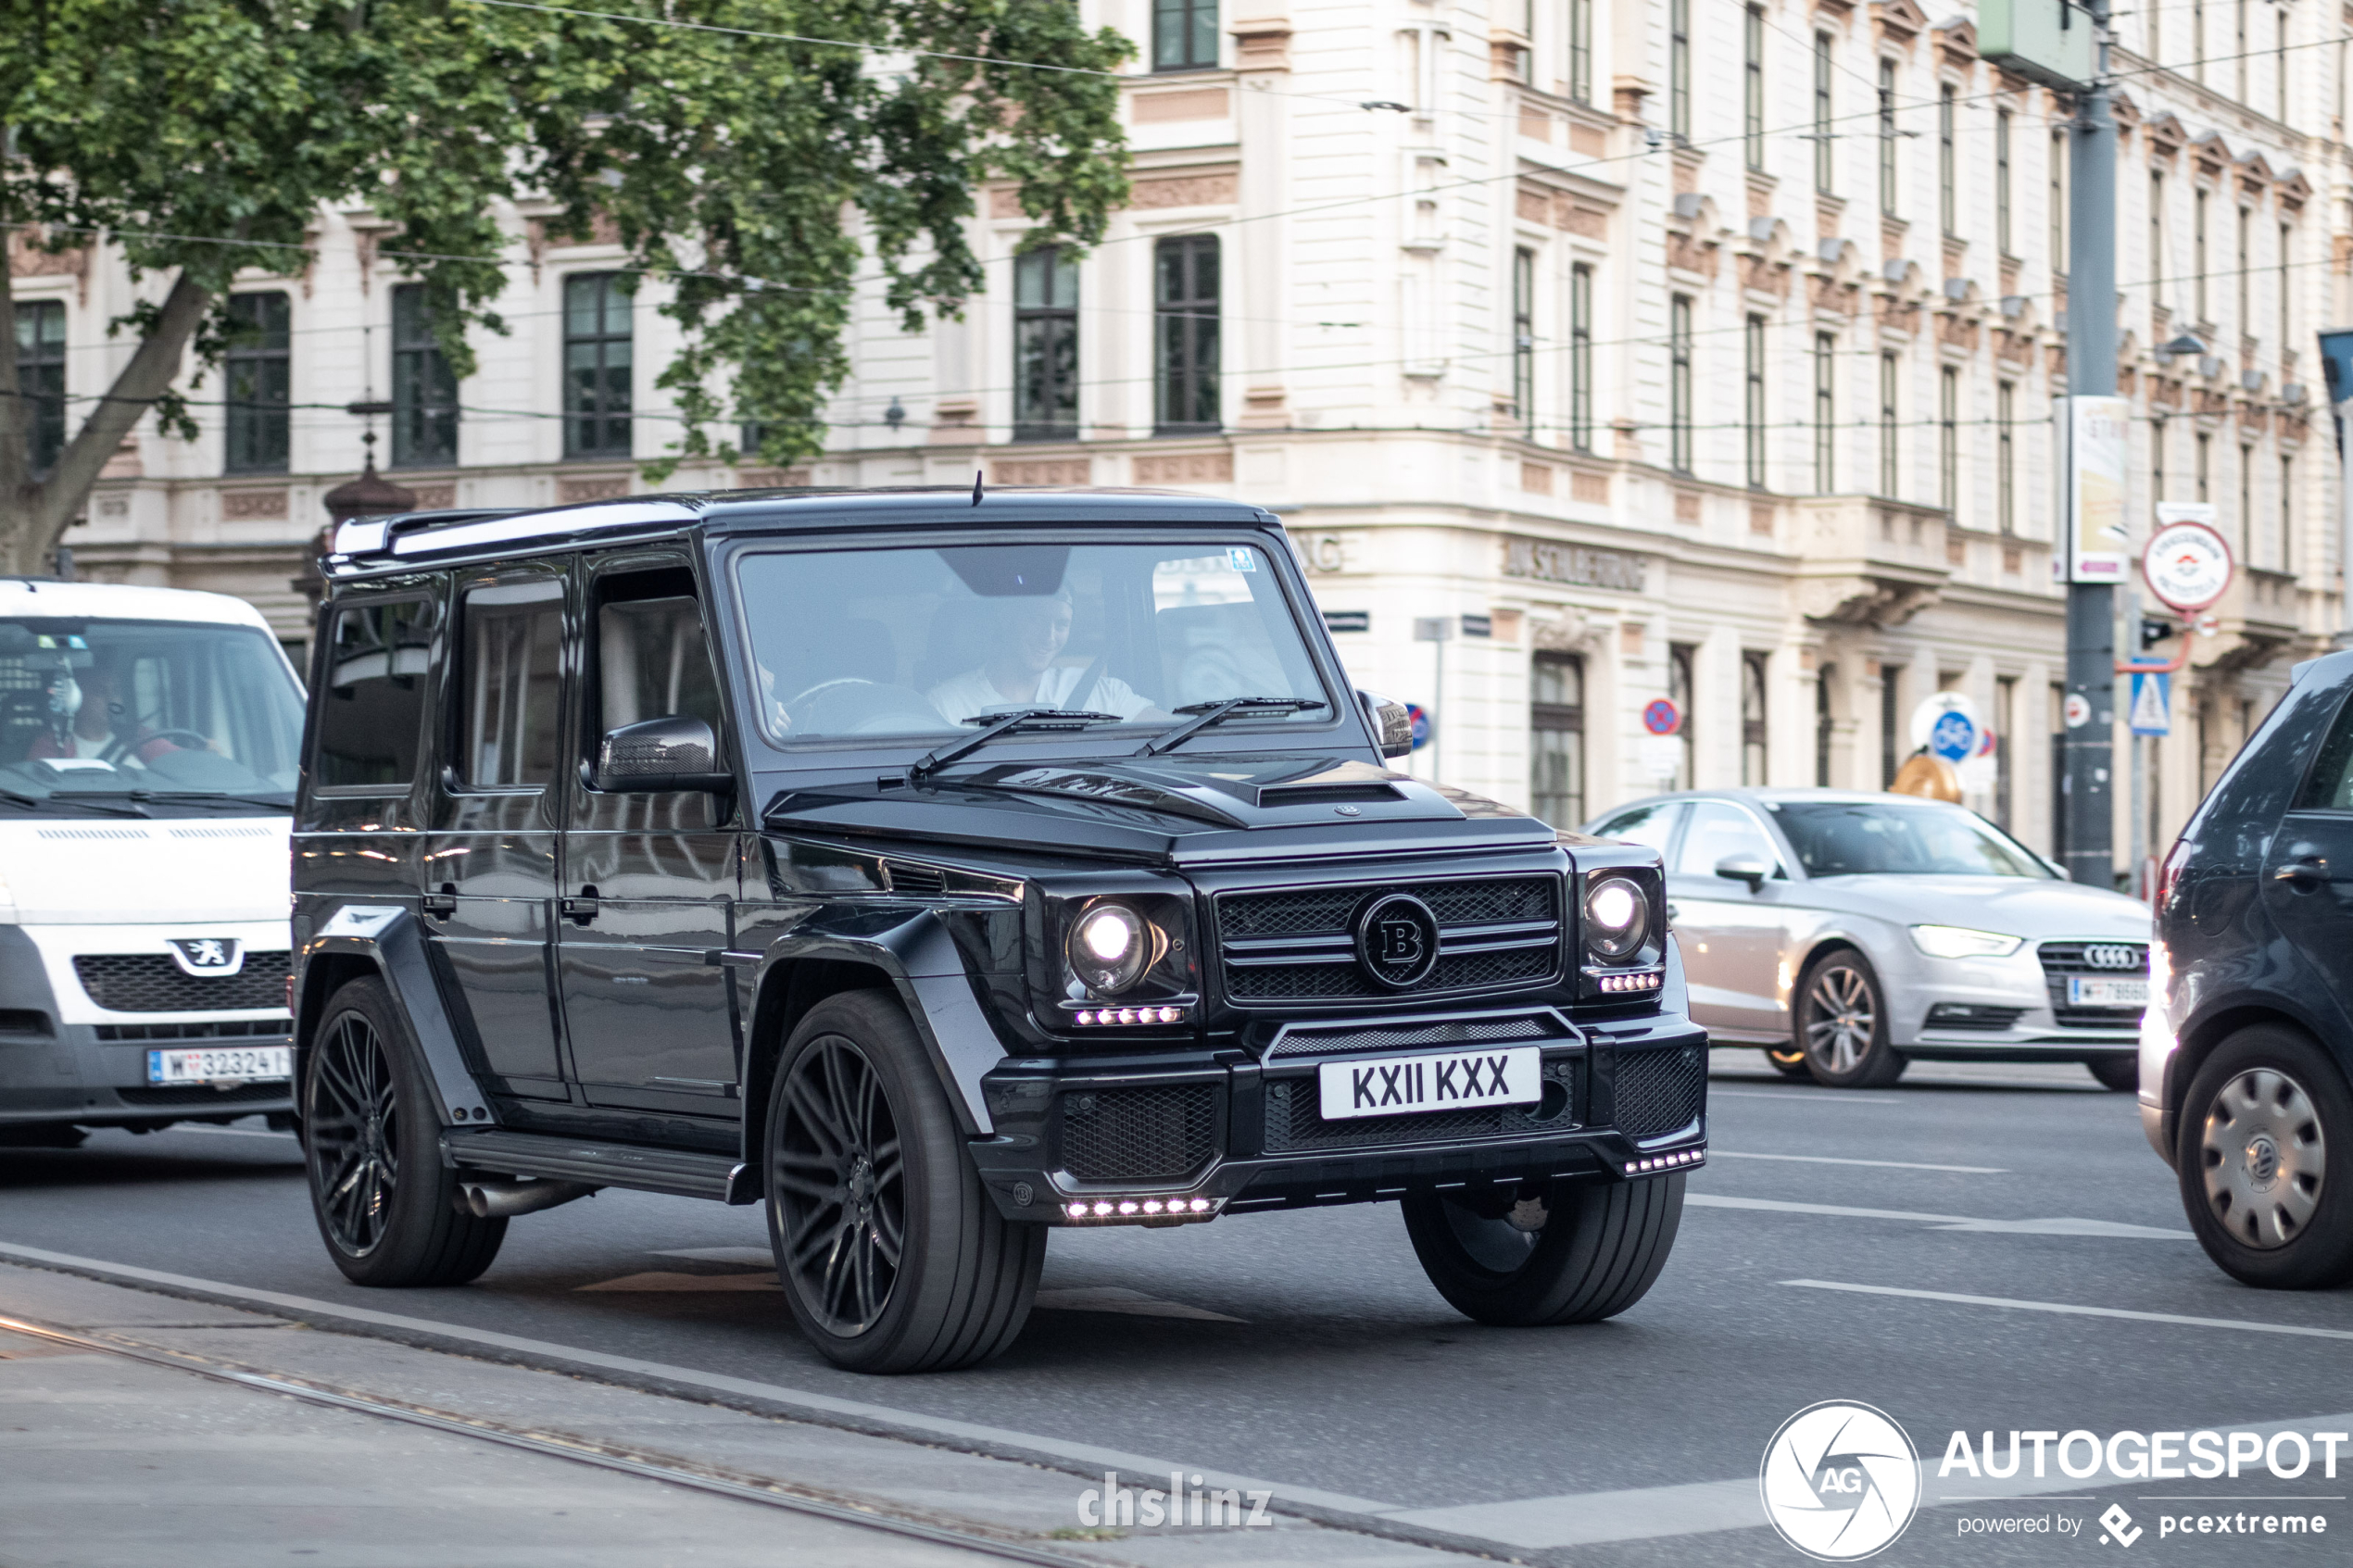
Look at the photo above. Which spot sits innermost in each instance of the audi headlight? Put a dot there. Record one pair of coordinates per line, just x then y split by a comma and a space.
1617, 918
1960, 942
1110, 946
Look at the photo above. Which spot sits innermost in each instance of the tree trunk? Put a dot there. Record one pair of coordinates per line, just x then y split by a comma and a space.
35, 515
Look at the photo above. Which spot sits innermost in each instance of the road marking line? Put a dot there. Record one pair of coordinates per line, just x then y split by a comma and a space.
1118, 1298
869, 1415
1810, 1096
758, 1255
2242, 1324
660, 1281
231, 1132
1716, 1153
2057, 1226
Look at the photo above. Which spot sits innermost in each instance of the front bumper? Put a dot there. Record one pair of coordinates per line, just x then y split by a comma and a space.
1173, 1138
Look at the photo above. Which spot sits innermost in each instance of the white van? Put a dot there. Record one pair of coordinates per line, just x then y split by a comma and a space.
149, 739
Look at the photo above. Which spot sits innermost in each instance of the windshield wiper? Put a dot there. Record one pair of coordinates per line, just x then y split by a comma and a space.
84, 802
1204, 714
205, 796
1034, 719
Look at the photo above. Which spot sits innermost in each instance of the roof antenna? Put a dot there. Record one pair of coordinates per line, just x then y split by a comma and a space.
976, 487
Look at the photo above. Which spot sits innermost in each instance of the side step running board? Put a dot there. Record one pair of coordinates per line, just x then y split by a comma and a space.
680, 1172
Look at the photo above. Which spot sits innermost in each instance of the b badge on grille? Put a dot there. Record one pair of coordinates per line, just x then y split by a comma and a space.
1396, 941
209, 958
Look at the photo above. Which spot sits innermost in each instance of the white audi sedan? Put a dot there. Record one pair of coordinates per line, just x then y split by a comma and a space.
1847, 934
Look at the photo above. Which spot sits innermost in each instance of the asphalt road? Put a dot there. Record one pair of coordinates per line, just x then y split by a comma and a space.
1306, 1348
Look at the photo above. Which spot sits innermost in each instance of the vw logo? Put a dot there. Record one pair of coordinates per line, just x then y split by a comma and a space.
2112, 955
1839, 1481
209, 958
1397, 941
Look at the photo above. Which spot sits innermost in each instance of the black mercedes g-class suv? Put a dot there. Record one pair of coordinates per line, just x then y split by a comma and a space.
936, 869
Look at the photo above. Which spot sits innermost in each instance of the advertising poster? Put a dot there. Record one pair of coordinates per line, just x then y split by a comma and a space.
2099, 543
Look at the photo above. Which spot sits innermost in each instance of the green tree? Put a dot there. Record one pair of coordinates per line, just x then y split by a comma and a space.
759, 155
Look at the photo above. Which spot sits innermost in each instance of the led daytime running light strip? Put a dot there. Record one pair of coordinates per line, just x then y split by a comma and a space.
1681, 1158
1649, 980
1139, 1209
1131, 1015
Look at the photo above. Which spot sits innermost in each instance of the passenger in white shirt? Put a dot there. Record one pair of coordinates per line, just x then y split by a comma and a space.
1022, 672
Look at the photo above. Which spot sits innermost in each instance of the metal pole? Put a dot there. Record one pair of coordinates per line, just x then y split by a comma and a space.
2088, 749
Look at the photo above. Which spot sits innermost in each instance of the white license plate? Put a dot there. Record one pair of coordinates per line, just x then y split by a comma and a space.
1402, 1085
249, 1063
2097, 991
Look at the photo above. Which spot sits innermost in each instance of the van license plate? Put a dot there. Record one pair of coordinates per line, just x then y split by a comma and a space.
1402, 1084
2097, 991
248, 1063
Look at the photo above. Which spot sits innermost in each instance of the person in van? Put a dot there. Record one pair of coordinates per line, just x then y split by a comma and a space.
92, 720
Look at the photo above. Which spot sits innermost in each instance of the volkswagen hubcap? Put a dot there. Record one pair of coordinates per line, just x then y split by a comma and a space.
2263, 1158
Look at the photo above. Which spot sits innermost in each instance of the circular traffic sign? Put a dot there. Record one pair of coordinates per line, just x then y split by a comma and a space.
2187, 566
1953, 737
1931, 711
1418, 717
1661, 717
2076, 710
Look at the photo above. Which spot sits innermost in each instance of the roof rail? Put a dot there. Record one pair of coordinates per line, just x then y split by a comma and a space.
406, 535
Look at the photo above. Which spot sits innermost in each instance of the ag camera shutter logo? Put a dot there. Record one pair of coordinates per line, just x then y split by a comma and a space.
1839, 1481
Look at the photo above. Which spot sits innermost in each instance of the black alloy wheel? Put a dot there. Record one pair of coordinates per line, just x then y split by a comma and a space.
841, 1186
1574, 1252
386, 1204
892, 1255
1841, 1024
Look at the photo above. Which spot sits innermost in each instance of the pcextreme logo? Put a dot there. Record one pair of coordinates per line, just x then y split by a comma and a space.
1839, 1481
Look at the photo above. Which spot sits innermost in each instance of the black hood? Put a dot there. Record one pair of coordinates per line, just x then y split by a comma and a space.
1166, 810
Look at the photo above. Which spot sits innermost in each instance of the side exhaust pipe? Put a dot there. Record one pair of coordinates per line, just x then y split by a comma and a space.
501, 1200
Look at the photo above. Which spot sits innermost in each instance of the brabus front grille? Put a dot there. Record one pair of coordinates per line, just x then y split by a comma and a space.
1156, 1133
1296, 944
1660, 1090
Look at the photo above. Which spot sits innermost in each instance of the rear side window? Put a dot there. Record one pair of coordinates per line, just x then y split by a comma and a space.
513, 675
2329, 786
1651, 826
1720, 832
372, 707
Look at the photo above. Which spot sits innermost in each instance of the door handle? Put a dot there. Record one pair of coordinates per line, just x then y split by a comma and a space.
1674, 913
441, 905
580, 910
2303, 875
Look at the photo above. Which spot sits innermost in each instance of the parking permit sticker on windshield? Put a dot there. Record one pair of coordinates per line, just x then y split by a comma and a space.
1241, 558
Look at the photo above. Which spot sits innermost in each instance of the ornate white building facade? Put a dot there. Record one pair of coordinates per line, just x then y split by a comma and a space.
1691, 348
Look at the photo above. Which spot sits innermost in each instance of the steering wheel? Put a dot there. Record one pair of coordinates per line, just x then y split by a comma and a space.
811, 694
886, 708
187, 740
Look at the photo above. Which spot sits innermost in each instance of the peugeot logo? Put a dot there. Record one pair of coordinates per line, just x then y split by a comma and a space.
210, 958
1396, 941
2112, 955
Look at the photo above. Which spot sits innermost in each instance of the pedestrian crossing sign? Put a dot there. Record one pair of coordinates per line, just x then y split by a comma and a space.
2153, 703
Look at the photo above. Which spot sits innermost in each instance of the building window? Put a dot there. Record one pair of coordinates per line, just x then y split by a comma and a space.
1753, 405
1556, 740
1948, 441
424, 392
2002, 183
2205, 465
2198, 252
1680, 382
1822, 161
41, 379
1825, 412
1947, 166
597, 365
1753, 754
1581, 357
2005, 458
1045, 345
259, 376
2005, 744
1184, 35
1524, 340
1580, 50
2245, 322
1679, 70
1679, 657
2197, 38
1891, 754
2247, 501
2240, 52
2288, 514
1824, 727
1890, 376
2058, 199
2158, 431
2156, 240
1184, 350
1753, 85
1887, 137
2288, 294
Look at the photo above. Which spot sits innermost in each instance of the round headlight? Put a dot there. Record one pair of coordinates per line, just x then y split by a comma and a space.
1110, 947
1616, 919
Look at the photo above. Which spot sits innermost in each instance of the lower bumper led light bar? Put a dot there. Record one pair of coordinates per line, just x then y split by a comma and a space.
1681, 1159
1621, 985
1140, 1210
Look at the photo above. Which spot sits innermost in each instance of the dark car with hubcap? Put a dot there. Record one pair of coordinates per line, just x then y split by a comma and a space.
939, 870
2246, 1050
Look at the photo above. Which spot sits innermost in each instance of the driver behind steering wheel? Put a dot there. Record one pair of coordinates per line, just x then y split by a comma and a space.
93, 722
1022, 671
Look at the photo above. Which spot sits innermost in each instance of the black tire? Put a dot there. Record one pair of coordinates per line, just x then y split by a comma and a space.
42, 1135
2259, 1125
892, 1256
2121, 1074
386, 1204
1788, 1060
1600, 1247
1839, 1018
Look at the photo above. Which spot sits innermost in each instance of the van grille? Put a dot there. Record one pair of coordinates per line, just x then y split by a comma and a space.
154, 982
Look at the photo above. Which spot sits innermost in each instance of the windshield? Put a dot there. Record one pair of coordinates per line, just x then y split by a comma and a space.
920, 643
1851, 838
108, 710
